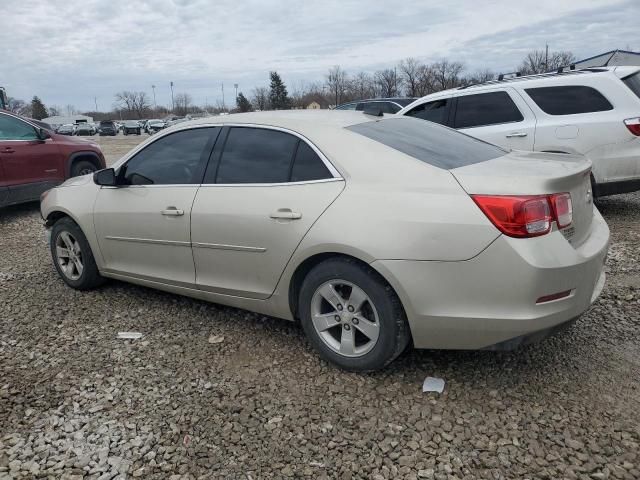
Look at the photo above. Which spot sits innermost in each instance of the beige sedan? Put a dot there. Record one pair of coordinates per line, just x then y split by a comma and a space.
375, 233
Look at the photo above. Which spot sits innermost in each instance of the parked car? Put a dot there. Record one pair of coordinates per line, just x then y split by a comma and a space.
108, 127
374, 233
594, 112
34, 158
131, 126
154, 126
383, 105
67, 129
84, 129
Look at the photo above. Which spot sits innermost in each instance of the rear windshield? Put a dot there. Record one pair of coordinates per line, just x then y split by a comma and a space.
633, 82
106, 124
429, 142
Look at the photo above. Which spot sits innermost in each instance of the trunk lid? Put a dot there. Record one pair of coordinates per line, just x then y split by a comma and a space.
536, 173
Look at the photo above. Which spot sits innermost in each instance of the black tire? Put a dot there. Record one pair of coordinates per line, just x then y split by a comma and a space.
90, 276
394, 335
82, 167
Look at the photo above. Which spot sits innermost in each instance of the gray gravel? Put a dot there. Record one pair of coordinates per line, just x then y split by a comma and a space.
214, 392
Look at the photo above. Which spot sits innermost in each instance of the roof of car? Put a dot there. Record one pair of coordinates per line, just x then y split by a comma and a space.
297, 120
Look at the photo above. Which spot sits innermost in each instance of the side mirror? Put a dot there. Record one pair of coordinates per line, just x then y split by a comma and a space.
43, 134
105, 178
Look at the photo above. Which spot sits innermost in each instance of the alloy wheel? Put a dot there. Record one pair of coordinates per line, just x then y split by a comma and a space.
69, 255
345, 318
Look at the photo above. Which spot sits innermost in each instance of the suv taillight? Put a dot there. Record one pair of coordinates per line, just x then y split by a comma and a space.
526, 216
633, 124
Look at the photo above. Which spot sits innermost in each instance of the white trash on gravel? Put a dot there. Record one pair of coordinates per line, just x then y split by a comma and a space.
129, 335
216, 339
433, 384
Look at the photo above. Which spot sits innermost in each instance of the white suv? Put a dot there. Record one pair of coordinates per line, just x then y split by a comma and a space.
594, 112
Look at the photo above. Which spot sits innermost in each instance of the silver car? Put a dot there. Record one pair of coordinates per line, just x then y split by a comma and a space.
375, 233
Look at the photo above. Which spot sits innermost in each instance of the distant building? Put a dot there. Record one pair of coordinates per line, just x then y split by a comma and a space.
313, 106
314, 101
58, 120
611, 59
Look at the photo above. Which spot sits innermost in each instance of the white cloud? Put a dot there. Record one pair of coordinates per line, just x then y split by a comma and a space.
70, 51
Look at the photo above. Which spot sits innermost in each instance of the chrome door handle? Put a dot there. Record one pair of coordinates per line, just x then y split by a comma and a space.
9, 150
285, 213
172, 212
517, 134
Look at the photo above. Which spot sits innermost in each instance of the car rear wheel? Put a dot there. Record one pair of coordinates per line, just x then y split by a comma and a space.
351, 316
82, 167
72, 256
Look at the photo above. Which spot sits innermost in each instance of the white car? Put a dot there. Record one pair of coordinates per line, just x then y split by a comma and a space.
594, 112
374, 233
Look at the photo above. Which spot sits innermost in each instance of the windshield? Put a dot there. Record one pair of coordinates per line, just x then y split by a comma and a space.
428, 142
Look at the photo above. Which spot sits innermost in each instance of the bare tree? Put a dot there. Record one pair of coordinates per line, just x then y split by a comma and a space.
260, 98
182, 102
54, 110
133, 103
386, 82
16, 105
361, 86
447, 74
480, 76
336, 81
411, 71
537, 61
71, 110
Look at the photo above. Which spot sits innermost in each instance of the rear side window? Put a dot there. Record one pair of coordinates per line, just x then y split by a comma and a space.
256, 155
569, 100
171, 160
308, 165
435, 111
633, 82
430, 143
486, 109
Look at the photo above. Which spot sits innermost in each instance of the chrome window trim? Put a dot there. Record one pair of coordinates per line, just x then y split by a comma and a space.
163, 133
199, 185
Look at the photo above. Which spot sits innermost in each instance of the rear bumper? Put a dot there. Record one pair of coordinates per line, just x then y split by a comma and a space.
489, 301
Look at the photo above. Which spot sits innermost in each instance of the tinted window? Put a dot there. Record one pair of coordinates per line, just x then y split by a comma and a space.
13, 129
346, 106
633, 82
569, 100
175, 159
433, 144
432, 111
256, 155
308, 165
486, 109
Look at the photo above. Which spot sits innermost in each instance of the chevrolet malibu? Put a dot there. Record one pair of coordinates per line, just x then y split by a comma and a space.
374, 233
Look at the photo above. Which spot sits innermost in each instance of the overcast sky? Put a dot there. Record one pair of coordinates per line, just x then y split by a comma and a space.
69, 51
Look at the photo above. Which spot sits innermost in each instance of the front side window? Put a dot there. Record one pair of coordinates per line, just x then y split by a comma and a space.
12, 128
175, 159
256, 155
569, 100
435, 111
486, 109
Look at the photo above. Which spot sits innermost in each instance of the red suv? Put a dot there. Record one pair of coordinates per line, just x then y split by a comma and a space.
33, 158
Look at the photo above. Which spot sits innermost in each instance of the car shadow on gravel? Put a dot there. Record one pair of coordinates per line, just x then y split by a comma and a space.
14, 212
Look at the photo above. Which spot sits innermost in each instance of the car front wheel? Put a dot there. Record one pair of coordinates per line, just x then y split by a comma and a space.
72, 256
351, 316
82, 167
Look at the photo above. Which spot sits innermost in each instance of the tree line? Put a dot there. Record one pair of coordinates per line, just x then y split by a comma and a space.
410, 77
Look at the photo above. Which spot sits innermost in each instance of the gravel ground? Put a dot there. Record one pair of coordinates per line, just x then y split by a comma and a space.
215, 392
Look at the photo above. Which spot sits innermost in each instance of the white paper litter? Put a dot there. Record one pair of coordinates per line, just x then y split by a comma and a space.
216, 339
433, 384
129, 335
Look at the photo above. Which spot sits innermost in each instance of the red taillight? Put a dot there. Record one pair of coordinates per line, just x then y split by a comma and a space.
526, 216
633, 124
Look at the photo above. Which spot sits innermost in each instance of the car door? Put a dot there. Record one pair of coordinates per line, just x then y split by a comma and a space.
262, 192
143, 225
500, 117
30, 164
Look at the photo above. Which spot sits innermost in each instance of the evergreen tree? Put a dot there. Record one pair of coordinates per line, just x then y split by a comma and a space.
278, 96
243, 104
38, 110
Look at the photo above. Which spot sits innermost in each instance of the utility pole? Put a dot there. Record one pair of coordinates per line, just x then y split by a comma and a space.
235, 85
224, 109
95, 100
546, 58
155, 105
173, 106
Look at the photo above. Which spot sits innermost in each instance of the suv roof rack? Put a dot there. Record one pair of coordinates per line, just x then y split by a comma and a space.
519, 77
